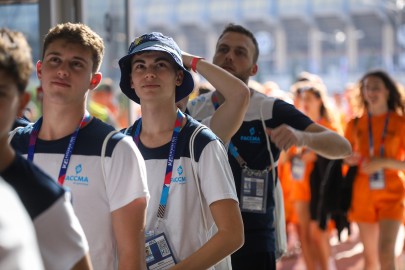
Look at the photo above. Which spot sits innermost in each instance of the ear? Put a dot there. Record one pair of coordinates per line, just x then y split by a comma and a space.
179, 77
95, 80
254, 70
131, 82
24, 99
39, 69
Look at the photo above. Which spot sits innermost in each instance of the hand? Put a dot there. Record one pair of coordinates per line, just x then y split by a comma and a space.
285, 136
373, 165
187, 59
354, 159
308, 156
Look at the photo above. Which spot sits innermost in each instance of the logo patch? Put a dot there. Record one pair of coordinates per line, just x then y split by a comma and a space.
78, 179
179, 179
251, 138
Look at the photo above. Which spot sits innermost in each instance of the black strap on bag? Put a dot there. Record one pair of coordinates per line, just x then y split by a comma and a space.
335, 194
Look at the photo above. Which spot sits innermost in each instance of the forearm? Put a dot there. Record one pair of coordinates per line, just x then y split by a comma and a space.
328, 144
230, 87
218, 247
129, 229
393, 164
227, 240
133, 258
229, 116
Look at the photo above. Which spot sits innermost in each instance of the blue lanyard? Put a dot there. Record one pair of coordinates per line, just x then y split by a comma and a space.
170, 160
234, 152
371, 138
68, 154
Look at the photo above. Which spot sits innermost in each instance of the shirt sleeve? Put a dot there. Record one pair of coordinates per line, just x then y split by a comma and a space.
217, 182
126, 174
285, 113
60, 236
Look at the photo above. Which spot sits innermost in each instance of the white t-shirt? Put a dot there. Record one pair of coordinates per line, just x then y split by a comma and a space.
60, 250
61, 239
183, 223
93, 197
18, 245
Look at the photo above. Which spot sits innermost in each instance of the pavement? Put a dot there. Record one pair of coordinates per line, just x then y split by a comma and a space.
346, 254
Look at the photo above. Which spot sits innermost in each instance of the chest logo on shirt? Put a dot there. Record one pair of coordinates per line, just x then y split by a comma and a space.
179, 179
78, 179
252, 137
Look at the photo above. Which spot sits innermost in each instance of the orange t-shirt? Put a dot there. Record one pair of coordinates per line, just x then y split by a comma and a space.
394, 148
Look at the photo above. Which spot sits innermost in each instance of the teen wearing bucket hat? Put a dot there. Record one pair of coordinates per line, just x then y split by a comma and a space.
154, 74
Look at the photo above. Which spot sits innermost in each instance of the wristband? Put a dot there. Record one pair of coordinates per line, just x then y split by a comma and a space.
194, 62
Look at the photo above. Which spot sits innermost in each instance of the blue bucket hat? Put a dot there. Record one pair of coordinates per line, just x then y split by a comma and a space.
154, 41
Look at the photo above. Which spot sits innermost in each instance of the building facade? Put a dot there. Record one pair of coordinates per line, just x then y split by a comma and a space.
337, 39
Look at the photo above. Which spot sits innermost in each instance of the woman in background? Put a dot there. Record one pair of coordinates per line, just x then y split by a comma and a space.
378, 140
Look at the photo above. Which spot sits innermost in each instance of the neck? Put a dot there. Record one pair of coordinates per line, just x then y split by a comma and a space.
7, 154
157, 124
378, 110
60, 121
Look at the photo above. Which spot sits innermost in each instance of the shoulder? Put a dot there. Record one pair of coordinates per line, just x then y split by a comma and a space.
259, 104
21, 122
98, 133
398, 121
204, 133
201, 136
357, 121
201, 99
399, 118
68, 237
201, 106
37, 190
286, 113
23, 253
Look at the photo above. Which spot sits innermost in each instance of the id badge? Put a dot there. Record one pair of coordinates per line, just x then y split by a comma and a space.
377, 180
297, 169
159, 255
254, 191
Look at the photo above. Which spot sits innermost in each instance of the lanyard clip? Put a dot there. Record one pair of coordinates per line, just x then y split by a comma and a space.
158, 222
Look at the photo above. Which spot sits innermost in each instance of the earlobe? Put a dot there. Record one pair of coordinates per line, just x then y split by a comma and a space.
95, 80
39, 69
131, 82
179, 78
254, 70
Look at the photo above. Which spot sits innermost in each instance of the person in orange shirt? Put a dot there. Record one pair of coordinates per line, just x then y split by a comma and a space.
378, 141
303, 164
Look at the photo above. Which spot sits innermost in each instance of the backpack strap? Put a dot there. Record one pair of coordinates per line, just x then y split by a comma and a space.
273, 164
13, 132
103, 150
194, 169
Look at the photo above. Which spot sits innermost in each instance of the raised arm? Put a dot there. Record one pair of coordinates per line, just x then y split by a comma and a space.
229, 116
227, 240
129, 230
323, 141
